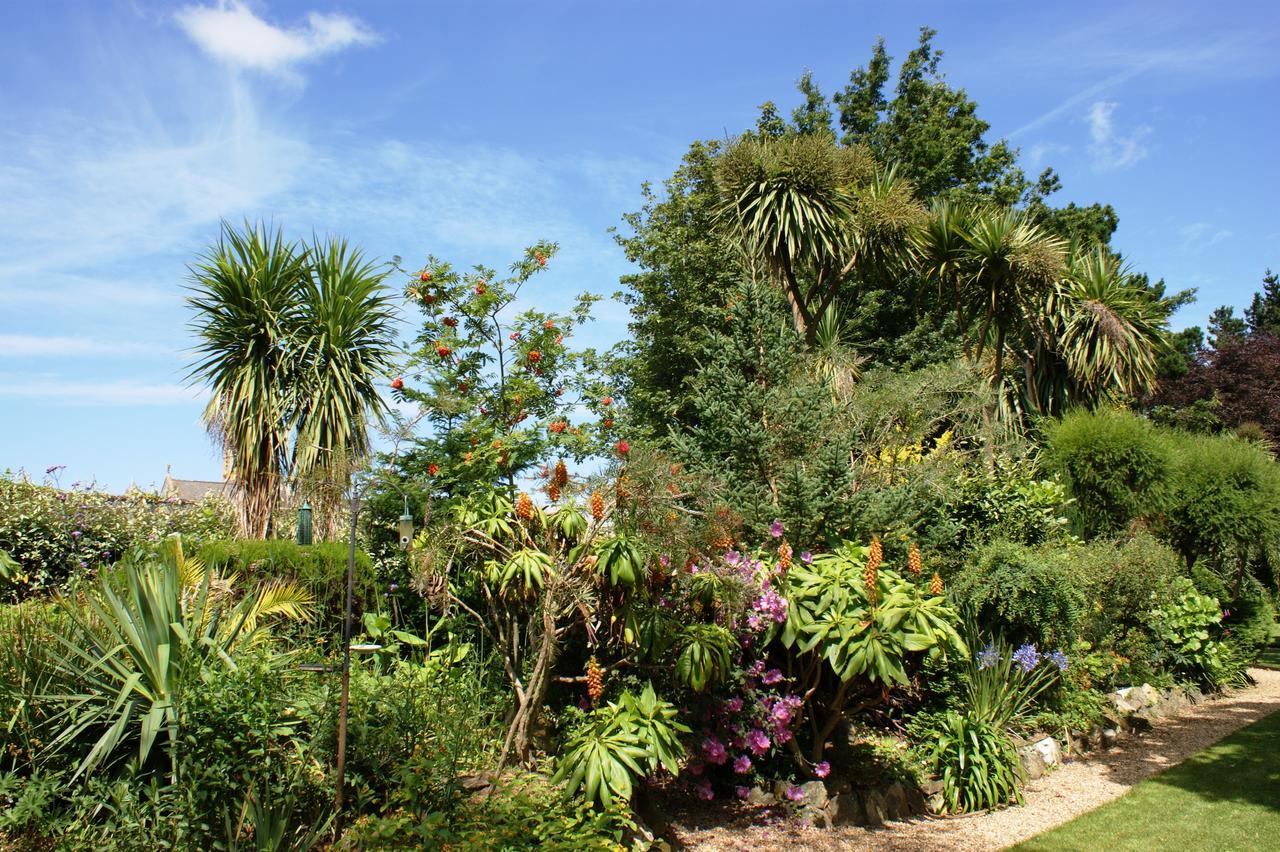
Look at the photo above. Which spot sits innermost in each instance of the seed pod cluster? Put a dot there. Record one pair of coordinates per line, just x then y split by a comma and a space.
595, 680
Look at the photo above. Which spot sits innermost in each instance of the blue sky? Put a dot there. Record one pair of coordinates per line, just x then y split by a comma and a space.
128, 129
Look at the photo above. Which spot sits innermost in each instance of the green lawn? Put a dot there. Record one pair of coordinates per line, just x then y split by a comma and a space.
1224, 798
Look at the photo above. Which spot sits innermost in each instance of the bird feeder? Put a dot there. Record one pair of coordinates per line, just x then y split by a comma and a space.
406, 527
304, 523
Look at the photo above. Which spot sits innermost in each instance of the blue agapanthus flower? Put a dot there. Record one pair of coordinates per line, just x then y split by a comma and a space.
1059, 659
988, 657
1027, 657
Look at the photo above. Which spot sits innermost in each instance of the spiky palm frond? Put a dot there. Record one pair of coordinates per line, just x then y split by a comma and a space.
1108, 331
835, 361
284, 599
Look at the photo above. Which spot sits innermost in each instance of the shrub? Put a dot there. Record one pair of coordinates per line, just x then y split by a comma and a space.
1116, 465
1010, 503
1121, 581
1225, 497
1021, 593
55, 535
1183, 630
620, 744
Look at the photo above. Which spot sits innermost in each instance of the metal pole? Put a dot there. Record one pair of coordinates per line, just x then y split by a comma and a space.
346, 662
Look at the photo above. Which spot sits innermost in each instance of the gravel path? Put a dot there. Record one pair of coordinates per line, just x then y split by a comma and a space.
1062, 795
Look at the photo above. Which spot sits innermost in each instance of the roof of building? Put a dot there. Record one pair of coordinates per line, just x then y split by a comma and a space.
192, 490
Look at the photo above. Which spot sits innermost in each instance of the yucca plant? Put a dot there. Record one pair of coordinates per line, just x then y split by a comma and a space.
129, 644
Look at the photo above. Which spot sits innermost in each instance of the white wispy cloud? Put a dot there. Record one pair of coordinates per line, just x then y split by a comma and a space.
30, 345
233, 34
1201, 235
1110, 148
120, 392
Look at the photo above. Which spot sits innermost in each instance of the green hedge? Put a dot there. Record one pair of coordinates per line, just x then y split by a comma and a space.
1117, 466
323, 566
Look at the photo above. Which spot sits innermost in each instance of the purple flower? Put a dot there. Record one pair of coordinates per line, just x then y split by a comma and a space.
988, 657
54, 469
705, 793
714, 751
806, 557
758, 741
76, 533
1027, 657
1059, 659
742, 764
84, 564
775, 528
757, 667
780, 714
822, 770
742, 792
782, 735
794, 793
733, 557
771, 677
733, 705
665, 560
394, 586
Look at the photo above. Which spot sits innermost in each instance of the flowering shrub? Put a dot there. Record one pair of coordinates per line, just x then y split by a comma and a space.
54, 534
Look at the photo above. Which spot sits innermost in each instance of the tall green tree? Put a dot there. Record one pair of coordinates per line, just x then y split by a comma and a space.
1263, 313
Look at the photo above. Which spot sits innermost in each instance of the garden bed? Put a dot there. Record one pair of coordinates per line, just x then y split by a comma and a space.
1082, 784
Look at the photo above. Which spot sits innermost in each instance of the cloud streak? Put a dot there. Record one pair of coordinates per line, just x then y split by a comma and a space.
1109, 148
114, 393
34, 346
234, 35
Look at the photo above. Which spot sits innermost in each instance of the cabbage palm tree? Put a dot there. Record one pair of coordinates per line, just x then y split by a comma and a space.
247, 298
814, 212
999, 268
1102, 336
292, 339
344, 343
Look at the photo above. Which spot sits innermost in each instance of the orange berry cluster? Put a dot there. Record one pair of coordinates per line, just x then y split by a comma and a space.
524, 507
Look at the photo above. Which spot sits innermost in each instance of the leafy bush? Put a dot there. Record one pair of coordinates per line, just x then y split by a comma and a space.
1008, 502
56, 534
620, 744
1225, 497
861, 624
412, 732
321, 566
1024, 594
1184, 629
1121, 581
1116, 465
524, 813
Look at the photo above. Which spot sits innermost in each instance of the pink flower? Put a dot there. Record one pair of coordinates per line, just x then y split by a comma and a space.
714, 751
733, 705
758, 741
775, 528
783, 735
781, 713
742, 765
705, 793
794, 793
742, 792
733, 557
822, 770
771, 677
806, 557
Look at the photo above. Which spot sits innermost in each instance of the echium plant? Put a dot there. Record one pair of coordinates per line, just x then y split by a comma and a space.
497, 384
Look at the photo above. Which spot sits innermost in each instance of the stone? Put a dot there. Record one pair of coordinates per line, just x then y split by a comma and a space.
758, 796
931, 791
1049, 751
1031, 762
895, 802
1109, 737
815, 795
874, 804
846, 809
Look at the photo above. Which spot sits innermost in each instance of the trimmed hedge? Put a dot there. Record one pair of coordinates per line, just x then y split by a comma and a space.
323, 566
